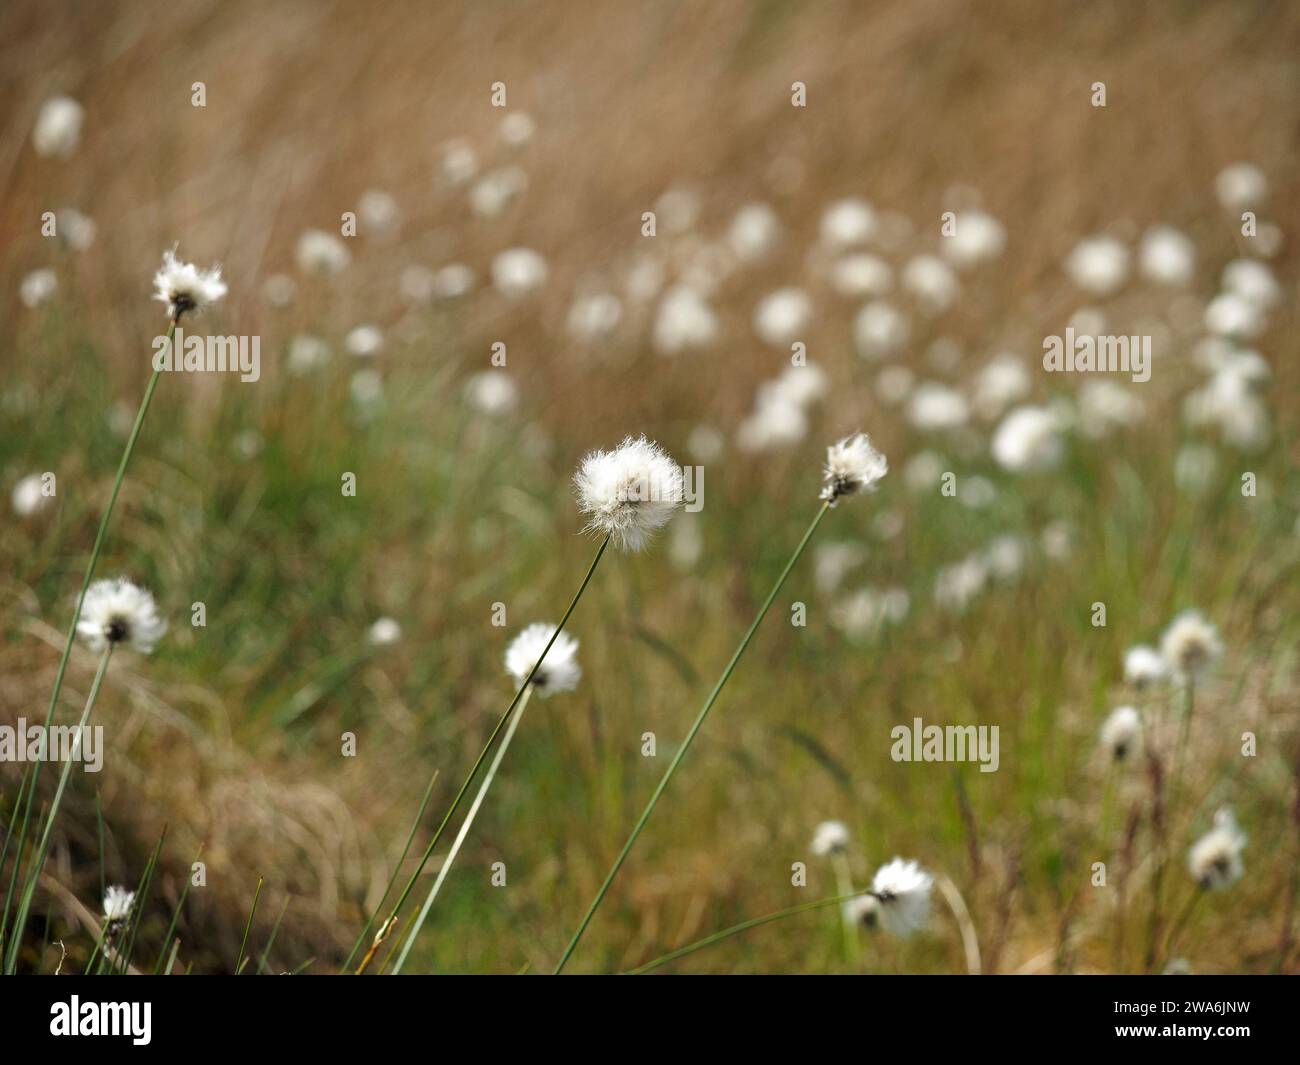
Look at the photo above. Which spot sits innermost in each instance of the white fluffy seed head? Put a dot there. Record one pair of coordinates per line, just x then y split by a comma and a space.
1190, 646
1143, 666
58, 127
384, 632
863, 910
1121, 732
559, 672
830, 837
903, 890
117, 611
117, 903
322, 253
629, 492
184, 287
1215, 859
853, 465
1028, 440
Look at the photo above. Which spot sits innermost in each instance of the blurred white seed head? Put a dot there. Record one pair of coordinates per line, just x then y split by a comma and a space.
629, 492
1215, 859
932, 282
903, 890
879, 330
321, 253
29, 496
1002, 381
75, 229
117, 611
861, 274
492, 392
1241, 186
848, 222
495, 191
307, 353
830, 837
384, 632
279, 290
1028, 441
594, 316
365, 341
1121, 732
459, 163
754, 232
782, 317
1167, 257
1144, 666
559, 672
933, 407
1098, 265
853, 465
684, 321
978, 238
863, 911
1190, 646
517, 272
452, 281
58, 127
378, 212
37, 287
517, 128
184, 287
1253, 281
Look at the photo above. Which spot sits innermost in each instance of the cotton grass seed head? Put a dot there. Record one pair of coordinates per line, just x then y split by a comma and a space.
1190, 646
1121, 732
184, 287
629, 492
58, 127
117, 611
117, 904
863, 910
1144, 666
1215, 859
559, 672
830, 837
852, 466
903, 890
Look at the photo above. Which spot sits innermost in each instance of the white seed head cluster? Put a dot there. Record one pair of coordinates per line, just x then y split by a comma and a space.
184, 287
903, 890
117, 903
853, 465
629, 492
117, 611
559, 671
1215, 859
1144, 666
1190, 647
830, 837
1121, 732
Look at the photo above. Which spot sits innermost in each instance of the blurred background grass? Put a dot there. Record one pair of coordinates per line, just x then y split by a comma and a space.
233, 498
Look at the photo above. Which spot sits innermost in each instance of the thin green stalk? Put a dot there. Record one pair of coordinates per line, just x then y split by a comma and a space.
735, 929
239, 961
86, 579
387, 927
176, 915
4, 854
392, 879
695, 728
844, 885
33, 878
137, 907
275, 931
502, 747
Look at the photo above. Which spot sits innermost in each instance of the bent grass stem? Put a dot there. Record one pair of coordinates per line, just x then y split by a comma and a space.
690, 736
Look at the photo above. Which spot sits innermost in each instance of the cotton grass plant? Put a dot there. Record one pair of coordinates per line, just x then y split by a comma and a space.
184, 289
627, 494
853, 466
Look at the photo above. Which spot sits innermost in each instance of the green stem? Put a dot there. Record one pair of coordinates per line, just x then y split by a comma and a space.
695, 728
464, 831
735, 929
85, 582
844, 885
387, 927
33, 878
